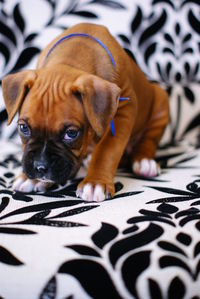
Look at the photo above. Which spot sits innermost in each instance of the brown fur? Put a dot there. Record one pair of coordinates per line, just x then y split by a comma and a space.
80, 65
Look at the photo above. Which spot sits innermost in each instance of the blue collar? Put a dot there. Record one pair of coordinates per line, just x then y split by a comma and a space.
82, 35
112, 126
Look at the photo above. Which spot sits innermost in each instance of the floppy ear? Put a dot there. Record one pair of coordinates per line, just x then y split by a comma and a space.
15, 87
100, 100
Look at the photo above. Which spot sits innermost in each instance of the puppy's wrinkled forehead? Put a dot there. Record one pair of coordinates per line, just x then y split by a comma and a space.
51, 102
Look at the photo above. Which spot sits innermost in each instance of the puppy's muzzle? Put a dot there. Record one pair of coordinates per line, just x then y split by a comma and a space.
49, 165
41, 170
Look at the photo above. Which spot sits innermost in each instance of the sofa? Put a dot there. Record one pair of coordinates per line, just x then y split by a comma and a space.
145, 242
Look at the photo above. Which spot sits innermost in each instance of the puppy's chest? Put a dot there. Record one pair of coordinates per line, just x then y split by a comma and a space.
90, 149
133, 141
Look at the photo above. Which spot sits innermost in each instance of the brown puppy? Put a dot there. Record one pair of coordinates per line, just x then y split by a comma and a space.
85, 87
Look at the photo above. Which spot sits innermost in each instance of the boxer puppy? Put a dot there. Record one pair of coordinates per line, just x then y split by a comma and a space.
86, 96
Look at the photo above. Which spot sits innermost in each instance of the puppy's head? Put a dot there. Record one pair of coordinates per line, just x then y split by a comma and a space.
60, 111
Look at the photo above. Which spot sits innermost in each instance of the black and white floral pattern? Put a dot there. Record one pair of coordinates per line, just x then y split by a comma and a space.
143, 243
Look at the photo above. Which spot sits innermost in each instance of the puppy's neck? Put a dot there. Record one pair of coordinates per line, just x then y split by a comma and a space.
81, 55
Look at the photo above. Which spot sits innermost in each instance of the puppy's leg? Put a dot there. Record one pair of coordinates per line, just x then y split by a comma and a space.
143, 154
23, 184
99, 181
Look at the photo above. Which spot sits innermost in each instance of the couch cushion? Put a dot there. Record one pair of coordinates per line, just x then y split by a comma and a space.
142, 243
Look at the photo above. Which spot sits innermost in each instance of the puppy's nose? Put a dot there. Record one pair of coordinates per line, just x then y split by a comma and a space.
40, 167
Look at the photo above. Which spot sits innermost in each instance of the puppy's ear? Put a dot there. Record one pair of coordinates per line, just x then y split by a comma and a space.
100, 100
15, 87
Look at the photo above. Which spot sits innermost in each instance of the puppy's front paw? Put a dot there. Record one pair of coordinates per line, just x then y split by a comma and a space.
93, 192
23, 184
146, 167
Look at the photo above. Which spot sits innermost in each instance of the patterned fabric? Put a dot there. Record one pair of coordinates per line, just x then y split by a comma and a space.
145, 242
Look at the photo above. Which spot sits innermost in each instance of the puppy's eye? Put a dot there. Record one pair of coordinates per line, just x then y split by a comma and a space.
71, 134
24, 130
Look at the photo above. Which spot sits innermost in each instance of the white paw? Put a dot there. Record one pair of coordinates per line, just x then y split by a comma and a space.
27, 185
18, 182
90, 193
23, 185
146, 167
